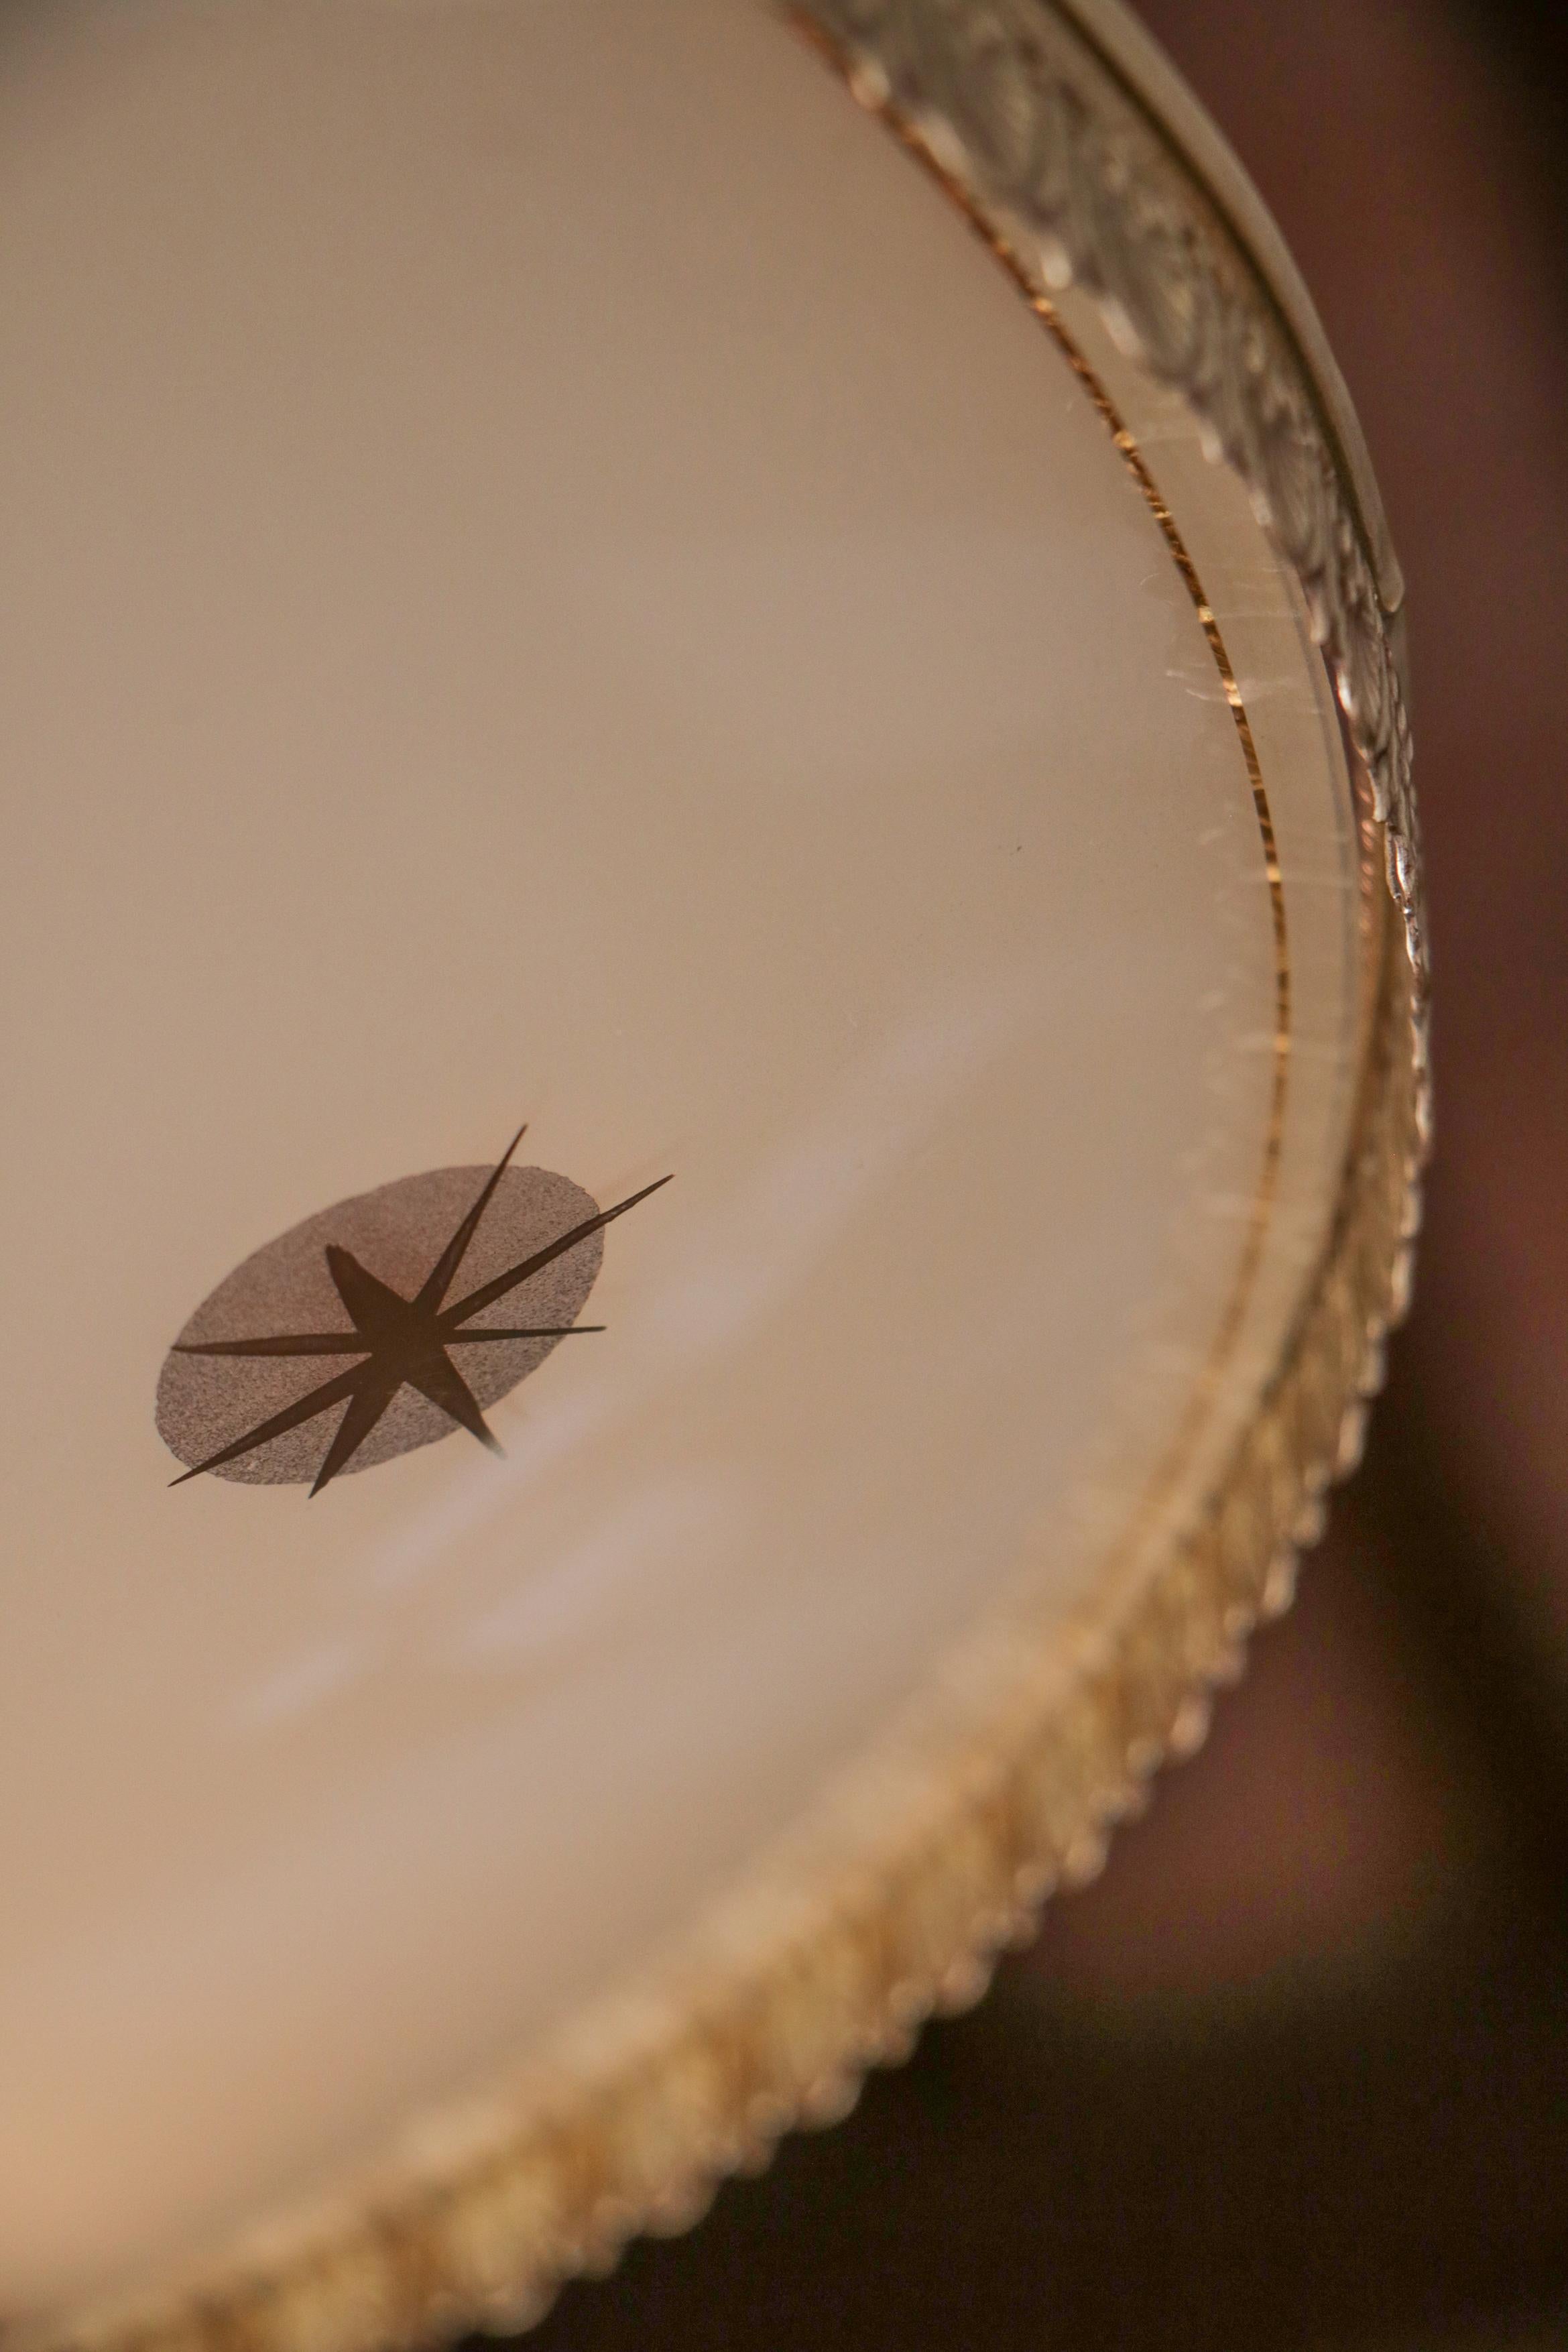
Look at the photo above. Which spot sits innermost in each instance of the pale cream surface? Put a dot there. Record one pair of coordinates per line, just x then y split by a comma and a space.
546, 575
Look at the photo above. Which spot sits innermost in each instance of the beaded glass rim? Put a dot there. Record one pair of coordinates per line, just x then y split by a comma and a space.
1067, 138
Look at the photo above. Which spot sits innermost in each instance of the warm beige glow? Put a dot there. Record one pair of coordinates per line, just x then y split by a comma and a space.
549, 577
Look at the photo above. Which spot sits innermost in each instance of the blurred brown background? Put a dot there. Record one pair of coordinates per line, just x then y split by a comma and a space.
1295, 2073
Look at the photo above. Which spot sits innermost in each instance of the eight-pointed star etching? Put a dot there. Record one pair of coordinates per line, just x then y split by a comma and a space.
401, 1341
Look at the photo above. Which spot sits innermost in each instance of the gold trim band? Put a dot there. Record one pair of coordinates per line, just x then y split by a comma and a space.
1235, 1312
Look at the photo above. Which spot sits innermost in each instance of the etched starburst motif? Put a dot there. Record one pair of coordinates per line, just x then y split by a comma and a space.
401, 1342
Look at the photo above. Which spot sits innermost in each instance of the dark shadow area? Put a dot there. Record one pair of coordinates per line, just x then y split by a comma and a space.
1042, 2177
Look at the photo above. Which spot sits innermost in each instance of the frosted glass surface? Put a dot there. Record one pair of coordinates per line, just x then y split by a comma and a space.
547, 577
